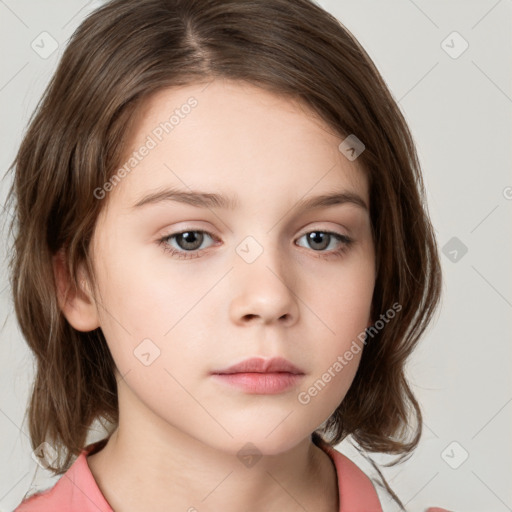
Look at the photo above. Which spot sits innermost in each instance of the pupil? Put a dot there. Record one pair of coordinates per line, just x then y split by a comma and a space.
317, 237
190, 238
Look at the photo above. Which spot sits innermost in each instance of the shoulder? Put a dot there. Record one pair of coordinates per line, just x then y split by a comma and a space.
76, 490
355, 488
49, 499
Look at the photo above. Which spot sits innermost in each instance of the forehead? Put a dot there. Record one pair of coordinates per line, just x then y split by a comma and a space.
235, 137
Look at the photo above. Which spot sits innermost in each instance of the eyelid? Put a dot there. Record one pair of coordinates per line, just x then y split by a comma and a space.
304, 231
168, 232
324, 229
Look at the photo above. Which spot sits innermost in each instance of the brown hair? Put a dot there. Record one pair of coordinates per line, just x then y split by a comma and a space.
129, 49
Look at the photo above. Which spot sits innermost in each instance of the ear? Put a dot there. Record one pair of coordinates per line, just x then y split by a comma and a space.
77, 305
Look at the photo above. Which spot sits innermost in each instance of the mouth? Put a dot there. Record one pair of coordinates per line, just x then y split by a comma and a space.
261, 376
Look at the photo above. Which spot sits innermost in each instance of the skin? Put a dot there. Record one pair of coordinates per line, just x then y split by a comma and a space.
179, 430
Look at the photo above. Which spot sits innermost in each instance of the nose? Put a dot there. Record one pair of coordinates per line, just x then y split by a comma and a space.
264, 290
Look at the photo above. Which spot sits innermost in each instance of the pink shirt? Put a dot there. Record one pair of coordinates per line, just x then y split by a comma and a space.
77, 491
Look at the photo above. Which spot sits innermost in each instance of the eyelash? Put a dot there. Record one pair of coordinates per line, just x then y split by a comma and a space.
186, 255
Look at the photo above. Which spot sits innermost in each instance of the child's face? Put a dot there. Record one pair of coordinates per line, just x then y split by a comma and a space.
258, 287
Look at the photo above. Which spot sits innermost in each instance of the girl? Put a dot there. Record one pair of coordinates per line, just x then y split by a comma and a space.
223, 254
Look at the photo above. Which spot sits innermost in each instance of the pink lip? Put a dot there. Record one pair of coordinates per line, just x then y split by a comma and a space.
260, 365
261, 376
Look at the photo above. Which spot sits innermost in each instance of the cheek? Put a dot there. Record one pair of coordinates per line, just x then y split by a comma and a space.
343, 309
142, 301
148, 323
342, 299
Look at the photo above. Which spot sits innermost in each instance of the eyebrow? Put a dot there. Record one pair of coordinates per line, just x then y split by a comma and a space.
212, 200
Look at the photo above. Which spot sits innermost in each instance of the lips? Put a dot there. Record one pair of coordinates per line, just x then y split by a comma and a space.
258, 376
260, 365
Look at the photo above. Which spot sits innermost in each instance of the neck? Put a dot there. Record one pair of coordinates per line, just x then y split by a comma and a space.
186, 474
150, 464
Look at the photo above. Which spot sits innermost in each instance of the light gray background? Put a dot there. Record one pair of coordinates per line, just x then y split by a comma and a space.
459, 110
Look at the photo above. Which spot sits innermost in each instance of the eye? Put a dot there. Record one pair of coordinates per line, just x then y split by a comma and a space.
187, 241
321, 240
